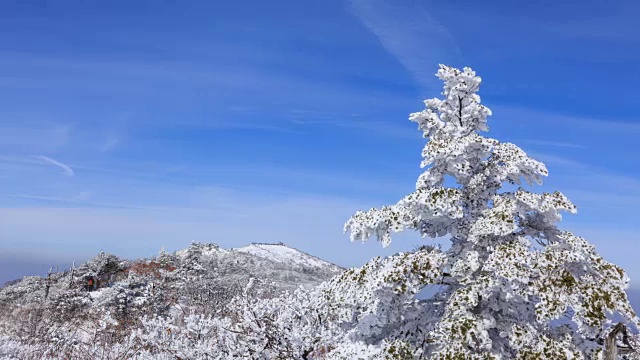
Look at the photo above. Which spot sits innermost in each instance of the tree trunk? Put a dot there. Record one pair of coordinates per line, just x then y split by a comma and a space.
610, 346
73, 269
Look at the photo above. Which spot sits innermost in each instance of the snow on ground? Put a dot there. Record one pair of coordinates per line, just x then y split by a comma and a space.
94, 294
284, 254
208, 250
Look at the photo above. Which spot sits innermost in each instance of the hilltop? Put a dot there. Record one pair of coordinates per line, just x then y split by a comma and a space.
107, 298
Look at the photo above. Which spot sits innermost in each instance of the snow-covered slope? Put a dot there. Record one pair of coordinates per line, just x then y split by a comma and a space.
282, 253
208, 250
200, 267
111, 295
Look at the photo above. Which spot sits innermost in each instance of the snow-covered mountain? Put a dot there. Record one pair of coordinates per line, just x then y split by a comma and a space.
282, 253
108, 295
284, 267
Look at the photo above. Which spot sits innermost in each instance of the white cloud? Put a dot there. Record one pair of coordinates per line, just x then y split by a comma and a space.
410, 34
598, 191
386, 128
66, 168
111, 140
546, 143
576, 123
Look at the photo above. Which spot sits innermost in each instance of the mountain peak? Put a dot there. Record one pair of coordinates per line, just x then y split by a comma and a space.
279, 243
282, 253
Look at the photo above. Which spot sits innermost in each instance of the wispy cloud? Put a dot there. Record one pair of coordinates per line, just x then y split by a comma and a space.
66, 168
221, 86
575, 123
602, 195
560, 161
81, 199
581, 168
410, 34
229, 96
353, 121
110, 142
545, 143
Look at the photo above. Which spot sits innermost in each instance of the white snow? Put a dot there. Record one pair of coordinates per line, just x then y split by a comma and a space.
207, 251
96, 293
284, 254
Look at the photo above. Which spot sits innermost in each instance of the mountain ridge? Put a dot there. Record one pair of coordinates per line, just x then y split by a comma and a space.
114, 297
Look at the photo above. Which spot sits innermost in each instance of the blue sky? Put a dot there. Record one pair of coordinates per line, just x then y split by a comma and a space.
126, 126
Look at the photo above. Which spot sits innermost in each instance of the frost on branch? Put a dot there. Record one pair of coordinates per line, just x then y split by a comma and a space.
429, 211
510, 278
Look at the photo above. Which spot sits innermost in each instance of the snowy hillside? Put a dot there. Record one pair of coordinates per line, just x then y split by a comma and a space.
109, 299
282, 253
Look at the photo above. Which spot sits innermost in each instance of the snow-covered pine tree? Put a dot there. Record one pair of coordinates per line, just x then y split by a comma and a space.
513, 285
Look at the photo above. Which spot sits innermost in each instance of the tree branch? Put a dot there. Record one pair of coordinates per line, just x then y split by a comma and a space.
460, 110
